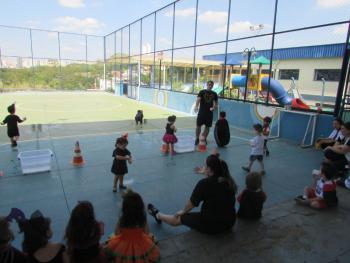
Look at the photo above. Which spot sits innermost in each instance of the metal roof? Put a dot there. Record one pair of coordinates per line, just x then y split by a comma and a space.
321, 51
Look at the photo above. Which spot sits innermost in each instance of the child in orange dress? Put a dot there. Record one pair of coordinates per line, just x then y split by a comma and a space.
132, 241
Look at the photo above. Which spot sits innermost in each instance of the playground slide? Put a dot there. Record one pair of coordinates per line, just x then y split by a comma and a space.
276, 89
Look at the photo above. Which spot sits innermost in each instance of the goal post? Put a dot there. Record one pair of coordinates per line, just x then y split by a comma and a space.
309, 130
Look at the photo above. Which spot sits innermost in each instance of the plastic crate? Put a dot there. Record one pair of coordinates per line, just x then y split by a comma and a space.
185, 143
35, 161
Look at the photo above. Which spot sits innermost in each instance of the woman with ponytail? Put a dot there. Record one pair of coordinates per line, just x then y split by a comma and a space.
216, 192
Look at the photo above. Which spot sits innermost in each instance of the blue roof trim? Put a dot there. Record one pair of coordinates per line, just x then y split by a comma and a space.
321, 51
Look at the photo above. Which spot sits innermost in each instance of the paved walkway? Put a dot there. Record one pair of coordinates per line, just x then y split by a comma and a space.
286, 233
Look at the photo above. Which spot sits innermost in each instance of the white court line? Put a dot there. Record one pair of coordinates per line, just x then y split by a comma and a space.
87, 135
104, 134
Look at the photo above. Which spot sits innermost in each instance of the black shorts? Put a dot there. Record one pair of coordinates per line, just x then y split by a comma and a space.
205, 119
193, 220
337, 159
252, 158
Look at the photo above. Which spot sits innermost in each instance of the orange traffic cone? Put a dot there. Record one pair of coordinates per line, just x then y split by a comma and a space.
202, 146
164, 148
77, 159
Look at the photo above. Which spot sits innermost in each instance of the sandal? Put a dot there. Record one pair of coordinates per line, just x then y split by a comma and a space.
153, 212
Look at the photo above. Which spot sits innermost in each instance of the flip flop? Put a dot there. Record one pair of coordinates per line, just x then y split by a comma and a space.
153, 211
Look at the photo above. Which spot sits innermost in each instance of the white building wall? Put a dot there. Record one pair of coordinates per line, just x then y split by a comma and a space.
306, 83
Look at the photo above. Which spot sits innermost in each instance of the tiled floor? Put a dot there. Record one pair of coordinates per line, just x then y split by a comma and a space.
163, 180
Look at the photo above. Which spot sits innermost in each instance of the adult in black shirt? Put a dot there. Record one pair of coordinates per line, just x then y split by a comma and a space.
339, 153
207, 101
216, 192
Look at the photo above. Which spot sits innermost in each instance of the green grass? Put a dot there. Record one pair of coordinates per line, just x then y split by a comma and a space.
75, 107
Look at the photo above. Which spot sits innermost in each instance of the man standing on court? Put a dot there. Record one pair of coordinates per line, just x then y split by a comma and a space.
207, 101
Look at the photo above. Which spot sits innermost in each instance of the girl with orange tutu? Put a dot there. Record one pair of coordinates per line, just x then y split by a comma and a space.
169, 137
132, 241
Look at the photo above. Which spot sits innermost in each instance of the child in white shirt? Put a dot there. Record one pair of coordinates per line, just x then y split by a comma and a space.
257, 152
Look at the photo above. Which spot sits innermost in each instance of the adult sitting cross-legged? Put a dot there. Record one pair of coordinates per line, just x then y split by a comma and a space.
217, 192
339, 153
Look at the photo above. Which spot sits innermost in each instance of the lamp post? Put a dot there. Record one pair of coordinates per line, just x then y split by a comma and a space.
160, 57
248, 52
257, 28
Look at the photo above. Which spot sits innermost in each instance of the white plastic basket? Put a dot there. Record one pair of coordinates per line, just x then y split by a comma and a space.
35, 161
185, 143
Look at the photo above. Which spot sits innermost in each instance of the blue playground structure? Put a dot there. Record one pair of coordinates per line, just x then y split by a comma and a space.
276, 90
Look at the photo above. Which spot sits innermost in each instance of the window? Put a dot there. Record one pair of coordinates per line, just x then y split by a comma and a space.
327, 74
287, 74
267, 72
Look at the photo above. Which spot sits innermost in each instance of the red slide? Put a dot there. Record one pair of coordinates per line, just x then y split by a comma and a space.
299, 104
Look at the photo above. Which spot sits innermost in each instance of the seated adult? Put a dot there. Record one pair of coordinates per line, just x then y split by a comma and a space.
333, 137
36, 242
8, 254
83, 234
217, 192
339, 153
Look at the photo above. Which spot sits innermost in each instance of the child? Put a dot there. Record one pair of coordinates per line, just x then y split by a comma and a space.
266, 133
131, 241
12, 127
222, 131
139, 117
119, 167
83, 235
36, 242
257, 144
252, 198
322, 193
8, 254
169, 137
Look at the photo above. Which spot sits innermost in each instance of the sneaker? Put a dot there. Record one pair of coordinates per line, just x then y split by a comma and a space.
301, 200
122, 187
244, 168
196, 142
153, 212
300, 197
114, 189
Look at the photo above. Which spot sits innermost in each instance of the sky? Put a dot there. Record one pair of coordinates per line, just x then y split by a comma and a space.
80, 16
101, 17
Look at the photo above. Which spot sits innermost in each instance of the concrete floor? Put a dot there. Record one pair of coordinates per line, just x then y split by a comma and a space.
163, 180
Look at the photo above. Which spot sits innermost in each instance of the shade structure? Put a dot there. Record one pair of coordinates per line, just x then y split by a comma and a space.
260, 60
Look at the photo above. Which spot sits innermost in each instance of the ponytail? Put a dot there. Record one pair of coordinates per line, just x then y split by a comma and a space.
227, 176
221, 171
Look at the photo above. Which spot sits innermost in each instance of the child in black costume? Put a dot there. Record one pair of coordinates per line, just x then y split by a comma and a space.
222, 131
169, 137
139, 117
12, 128
119, 167
252, 198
